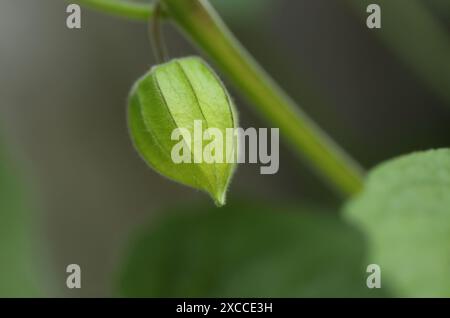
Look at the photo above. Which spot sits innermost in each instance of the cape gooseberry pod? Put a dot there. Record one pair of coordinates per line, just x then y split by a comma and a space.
182, 120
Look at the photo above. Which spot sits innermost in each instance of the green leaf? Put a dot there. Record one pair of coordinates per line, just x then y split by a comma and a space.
18, 274
185, 94
246, 251
405, 211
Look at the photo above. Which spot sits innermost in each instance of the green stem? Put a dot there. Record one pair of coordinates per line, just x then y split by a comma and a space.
123, 8
202, 24
157, 39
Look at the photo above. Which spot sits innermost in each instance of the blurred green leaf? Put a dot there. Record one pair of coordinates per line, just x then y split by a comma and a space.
246, 251
17, 271
405, 210
417, 37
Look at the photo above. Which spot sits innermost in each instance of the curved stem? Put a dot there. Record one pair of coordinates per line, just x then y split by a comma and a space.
123, 8
156, 37
202, 24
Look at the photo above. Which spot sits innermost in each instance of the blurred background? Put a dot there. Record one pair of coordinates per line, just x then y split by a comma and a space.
75, 191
